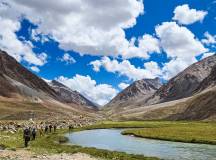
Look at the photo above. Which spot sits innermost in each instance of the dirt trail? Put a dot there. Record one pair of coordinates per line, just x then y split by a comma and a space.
27, 155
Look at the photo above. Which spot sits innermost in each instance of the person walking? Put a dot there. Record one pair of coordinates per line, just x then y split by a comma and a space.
55, 127
41, 130
26, 136
50, 128
34, 133
46, 129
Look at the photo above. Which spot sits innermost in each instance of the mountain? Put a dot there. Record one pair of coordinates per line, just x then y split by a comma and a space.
185, 83
190, 95
141, 89
23, 94
17, 80
200, 107
70, 96
209, 81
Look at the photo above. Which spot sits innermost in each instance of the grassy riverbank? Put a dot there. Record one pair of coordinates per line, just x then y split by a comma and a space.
195, 132
189, 132
49, 144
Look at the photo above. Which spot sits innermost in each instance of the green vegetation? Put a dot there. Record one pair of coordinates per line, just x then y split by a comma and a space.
191, 132
130, 124
52, 143
195, 132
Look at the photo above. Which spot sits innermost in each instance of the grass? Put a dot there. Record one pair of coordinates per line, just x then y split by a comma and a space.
195, 132
52, 144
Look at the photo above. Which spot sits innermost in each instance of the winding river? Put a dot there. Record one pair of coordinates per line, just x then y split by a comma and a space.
111, 139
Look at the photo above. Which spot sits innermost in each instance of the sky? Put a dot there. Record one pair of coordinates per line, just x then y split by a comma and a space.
100, 47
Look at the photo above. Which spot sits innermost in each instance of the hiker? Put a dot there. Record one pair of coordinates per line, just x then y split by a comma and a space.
70, 127
33, 133
46, 129
26, 136
55, 128
41, 131
50, 128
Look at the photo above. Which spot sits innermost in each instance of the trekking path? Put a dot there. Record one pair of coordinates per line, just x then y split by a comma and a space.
27, 155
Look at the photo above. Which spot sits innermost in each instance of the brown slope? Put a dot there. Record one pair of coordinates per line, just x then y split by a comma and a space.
139, 89
22, 92
5, 88
185, 83
202, 107
209, 81
10, 69
70, 96
199, 107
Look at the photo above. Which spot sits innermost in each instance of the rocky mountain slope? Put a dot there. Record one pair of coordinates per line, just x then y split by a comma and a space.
189, 95
138, 90
70, 96
208, 82
16, 79
198, 107
185, 83
22, 93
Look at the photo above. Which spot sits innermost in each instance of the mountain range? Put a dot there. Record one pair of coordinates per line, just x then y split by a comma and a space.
190, 95
20, 87
179, 98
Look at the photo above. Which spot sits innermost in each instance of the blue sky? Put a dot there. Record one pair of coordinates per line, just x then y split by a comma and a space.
89, 50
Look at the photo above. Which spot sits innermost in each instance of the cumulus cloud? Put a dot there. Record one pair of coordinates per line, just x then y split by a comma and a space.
209, 39
99, 93
35, 69
184, 15
21, 50
147, 44
125, 68
106, 21
123, 85
67, 58
181, 47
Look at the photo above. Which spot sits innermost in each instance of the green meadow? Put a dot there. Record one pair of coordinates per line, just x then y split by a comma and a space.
192, 132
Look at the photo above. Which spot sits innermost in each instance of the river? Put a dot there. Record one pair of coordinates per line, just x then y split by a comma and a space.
113, 140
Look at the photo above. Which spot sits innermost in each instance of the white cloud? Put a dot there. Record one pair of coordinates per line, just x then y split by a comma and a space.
67, 58
35, 69
20, 50
99, 93
123, 85
209, 39
106, 21
125, 68
180, 45
147, 44
205, 55
185, 15
36, 36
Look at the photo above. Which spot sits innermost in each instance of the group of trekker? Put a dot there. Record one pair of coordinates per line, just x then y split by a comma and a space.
31, 133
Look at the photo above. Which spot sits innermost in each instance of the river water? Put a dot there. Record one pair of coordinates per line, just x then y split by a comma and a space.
111, 139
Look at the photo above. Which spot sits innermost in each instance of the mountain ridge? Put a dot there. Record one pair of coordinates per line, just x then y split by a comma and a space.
22, 92
140, 88
70, 96
183, 92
